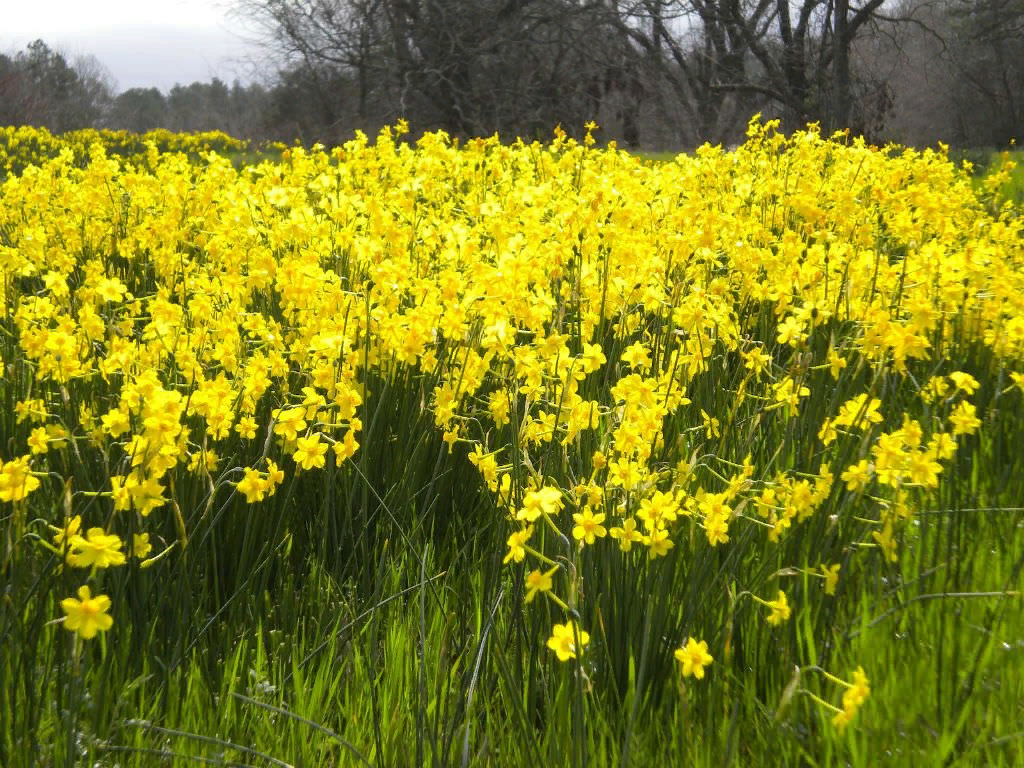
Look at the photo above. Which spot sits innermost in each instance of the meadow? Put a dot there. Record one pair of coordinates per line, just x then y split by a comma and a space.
419, 453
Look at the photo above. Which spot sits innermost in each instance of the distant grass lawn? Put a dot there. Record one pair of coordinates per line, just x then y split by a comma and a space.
1013, 188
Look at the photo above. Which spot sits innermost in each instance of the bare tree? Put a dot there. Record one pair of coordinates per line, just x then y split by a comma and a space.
804, 54
39, 87
468, 66
987, 50
688, 49
685, 70
954, 69
96, 90
795, 57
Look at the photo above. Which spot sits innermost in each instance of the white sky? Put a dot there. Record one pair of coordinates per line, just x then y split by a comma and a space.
144, 43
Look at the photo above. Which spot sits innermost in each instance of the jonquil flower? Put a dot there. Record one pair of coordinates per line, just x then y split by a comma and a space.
547, 501
253, 485
637, 356
517, 544
627, 534
87, 615
140, 545
694, 657
588, 526
71, 529
309, 452
38, 441
96, 549
563, 640
831, 574
538, 581
856, 693
780, 609
964, 419
16, 482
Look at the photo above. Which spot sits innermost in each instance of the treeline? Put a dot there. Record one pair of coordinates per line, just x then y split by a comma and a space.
653, 73
40, 86
657, 73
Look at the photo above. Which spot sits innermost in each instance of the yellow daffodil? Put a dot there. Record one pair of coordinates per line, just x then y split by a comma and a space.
87, 615
564, 638
694, 657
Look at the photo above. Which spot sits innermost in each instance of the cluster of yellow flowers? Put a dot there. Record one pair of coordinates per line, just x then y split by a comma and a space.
22, 146
564, 298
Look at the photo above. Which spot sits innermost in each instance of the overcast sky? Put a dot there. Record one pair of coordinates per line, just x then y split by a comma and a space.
144, 43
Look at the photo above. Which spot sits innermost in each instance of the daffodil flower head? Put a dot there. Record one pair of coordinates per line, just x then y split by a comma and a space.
780, 610
694, 657
563, 640
87, 615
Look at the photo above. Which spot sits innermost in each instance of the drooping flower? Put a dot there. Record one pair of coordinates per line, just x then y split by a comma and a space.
780, 610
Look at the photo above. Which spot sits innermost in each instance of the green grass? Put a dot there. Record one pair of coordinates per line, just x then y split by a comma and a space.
414, 649
985, 162
659, 157
1013, 189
